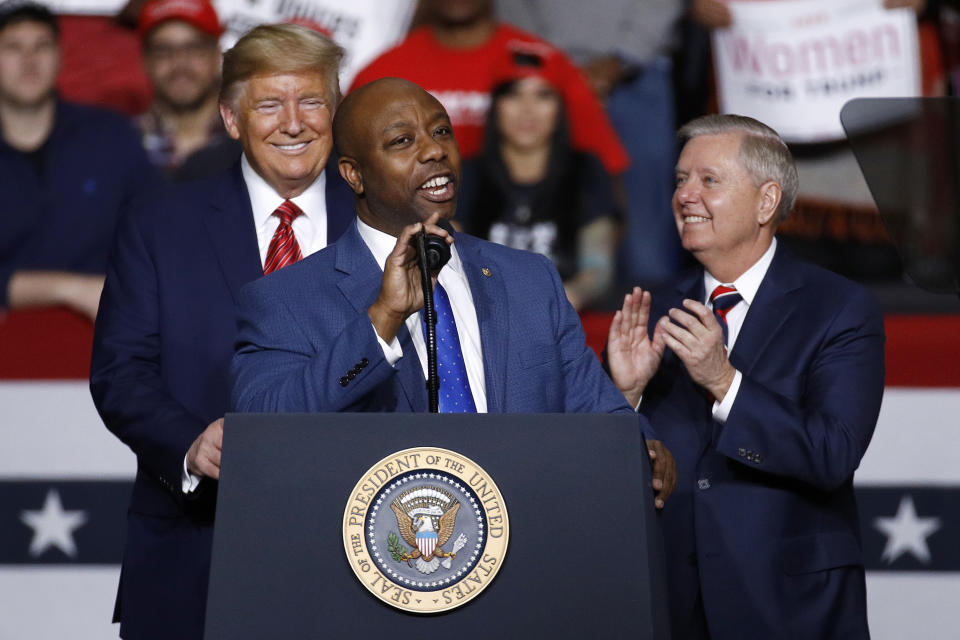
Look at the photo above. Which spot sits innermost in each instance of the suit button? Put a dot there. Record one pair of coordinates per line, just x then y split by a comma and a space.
742, 452
703, 483
364, 362
357, 369
344, 381
351, 375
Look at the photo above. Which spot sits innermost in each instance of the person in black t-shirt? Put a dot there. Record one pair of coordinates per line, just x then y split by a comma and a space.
530, 190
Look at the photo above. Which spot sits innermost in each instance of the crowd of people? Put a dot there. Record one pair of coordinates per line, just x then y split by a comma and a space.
620, 79
167, 230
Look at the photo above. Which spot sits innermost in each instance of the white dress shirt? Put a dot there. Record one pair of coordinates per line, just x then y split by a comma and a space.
310, 229
454, 281
747, 286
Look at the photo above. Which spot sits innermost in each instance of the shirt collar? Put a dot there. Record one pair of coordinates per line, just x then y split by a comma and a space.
381, 244
748, 283
264, 200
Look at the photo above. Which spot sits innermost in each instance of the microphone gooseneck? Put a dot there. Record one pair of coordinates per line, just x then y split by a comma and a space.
429, 319
433, 253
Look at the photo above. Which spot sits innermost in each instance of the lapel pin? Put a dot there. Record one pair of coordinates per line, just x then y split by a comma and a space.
486, 272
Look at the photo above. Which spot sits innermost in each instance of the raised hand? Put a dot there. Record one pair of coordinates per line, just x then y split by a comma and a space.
632, 356
401, 292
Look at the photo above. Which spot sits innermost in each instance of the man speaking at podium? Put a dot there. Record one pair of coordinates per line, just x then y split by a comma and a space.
340, 331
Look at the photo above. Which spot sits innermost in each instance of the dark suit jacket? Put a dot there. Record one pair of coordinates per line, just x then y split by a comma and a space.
763, 520
306, 327
163, 341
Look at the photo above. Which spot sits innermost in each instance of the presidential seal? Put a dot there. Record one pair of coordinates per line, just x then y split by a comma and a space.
425, 530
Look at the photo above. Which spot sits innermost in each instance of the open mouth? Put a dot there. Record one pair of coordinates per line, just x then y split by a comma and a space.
438, 188
694, 219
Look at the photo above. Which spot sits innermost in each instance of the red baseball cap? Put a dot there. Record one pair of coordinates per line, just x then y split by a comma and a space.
530, 59
198, 13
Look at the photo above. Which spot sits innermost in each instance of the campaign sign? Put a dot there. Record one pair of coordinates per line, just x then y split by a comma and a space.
793, 64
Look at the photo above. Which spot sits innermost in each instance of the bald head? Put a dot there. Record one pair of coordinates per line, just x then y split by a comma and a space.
352, 120
394, 139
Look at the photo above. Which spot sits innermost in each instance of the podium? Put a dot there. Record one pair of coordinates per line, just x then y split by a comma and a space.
584, 553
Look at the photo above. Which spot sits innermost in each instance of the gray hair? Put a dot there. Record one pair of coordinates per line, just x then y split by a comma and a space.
763, 153
280, 48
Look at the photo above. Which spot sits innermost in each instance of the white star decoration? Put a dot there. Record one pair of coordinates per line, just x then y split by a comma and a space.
906, 533
52, 526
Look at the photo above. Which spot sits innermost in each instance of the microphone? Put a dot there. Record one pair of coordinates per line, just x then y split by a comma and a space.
436, 248
432, 253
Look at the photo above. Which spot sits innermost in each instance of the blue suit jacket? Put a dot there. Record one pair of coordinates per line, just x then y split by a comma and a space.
763, 520
304, 328
159, 375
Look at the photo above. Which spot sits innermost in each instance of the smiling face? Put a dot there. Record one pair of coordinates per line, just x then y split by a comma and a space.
401, 158
283, 122
723, 218
29, 61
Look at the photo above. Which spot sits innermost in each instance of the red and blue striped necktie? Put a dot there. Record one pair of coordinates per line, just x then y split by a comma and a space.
723, 299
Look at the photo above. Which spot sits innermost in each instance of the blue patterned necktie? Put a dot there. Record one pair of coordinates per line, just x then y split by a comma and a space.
454, 395
724, 298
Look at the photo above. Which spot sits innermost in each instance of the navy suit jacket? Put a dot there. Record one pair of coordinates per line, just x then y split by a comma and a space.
763, 521
159, 375
305, 328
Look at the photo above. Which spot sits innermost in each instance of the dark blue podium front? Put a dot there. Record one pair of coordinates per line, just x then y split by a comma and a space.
584, 554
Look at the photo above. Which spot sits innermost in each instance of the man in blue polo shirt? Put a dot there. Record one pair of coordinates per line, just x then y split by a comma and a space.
66, 173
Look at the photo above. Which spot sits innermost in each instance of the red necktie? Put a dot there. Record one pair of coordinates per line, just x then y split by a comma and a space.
283, 248
724, 298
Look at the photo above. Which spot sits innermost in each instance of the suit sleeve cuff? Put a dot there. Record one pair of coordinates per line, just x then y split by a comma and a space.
721, 410
392, 351
188, 481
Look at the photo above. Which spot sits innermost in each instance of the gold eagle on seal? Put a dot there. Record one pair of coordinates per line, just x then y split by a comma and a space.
426, 517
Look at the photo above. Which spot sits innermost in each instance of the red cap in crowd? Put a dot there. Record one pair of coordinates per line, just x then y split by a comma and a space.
530, 59
198, 13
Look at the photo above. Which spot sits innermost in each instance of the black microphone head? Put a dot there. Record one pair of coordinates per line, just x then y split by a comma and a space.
438, 251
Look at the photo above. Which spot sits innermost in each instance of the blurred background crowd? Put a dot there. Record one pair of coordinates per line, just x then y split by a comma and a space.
565, 112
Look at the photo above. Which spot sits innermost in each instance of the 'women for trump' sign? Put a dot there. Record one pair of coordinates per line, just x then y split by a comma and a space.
793, 64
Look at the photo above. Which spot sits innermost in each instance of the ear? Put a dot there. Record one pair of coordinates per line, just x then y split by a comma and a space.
350, 171
770, 196
229, 117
